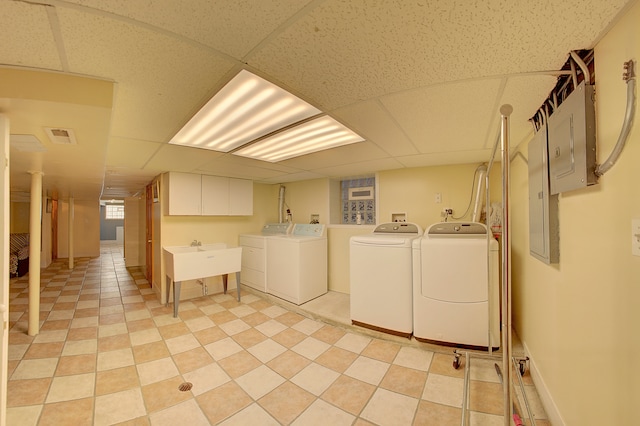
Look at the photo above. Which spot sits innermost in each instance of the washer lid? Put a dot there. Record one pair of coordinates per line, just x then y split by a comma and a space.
398, 228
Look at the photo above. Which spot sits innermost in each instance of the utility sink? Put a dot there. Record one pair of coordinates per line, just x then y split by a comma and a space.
195, 262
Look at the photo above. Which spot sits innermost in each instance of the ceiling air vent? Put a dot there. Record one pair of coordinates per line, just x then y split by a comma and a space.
61, 136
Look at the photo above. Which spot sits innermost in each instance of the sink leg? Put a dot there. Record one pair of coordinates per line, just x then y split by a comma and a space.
238, 284
225, 280
167, 290
176, 297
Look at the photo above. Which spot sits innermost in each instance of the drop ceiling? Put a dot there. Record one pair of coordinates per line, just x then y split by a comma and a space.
421, 81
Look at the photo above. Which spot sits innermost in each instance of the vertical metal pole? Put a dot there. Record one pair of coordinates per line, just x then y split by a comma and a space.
505, 111
489, 238
35, 232
465, 395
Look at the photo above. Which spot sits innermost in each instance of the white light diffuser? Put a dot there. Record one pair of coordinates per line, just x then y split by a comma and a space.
314, 135
245, 109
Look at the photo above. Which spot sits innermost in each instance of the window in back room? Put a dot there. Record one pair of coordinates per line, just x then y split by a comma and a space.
114, 212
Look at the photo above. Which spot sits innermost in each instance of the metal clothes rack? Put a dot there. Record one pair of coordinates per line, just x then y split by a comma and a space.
505, 341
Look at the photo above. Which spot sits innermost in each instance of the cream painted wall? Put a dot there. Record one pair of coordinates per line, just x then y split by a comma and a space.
20, 212
306, 198
19, 223
412, 191
580, 319
87, 228
338, 254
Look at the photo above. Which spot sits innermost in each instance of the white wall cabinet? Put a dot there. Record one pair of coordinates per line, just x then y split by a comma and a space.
203, 195
185, 194
215, 196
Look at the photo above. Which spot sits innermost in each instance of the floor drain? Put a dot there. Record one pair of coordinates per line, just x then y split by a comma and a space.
186, 386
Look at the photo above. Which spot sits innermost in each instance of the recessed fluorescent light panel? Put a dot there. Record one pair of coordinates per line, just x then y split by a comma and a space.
245, 109
311, 136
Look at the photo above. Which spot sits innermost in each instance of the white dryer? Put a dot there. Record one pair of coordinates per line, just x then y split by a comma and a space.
254, 254
297, 263
381, 278
456, 285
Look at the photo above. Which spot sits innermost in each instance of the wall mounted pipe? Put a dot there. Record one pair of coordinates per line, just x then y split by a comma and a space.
630, 78
281, 204
478, 201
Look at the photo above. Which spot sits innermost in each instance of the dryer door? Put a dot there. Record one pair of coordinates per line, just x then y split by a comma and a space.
454, 269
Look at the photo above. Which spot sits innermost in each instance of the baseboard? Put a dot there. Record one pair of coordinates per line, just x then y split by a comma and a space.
553, 414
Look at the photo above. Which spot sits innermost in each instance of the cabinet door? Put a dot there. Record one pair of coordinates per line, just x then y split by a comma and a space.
184, 194
240, 197
215, 195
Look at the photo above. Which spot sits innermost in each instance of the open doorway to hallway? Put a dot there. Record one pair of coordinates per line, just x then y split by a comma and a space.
112, 221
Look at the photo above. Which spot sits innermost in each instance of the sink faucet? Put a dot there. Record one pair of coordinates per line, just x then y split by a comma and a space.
196, 243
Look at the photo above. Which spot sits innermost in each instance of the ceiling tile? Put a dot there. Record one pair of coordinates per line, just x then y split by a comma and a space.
448, 157
293, 177
364, 167
432, 117
374, 123
235, 166
27, 27
239, 26
180, 159
130, 153
161, 81
348, 154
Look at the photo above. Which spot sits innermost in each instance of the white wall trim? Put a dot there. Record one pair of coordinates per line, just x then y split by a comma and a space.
553, 414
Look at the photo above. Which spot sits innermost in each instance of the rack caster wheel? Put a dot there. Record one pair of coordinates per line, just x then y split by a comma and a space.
522, 366
456, 361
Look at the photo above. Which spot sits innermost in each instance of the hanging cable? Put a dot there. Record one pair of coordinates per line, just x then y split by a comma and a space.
630, 78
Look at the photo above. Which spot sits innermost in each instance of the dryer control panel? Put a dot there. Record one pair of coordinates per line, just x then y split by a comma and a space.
308, 229
398, 228
464, 228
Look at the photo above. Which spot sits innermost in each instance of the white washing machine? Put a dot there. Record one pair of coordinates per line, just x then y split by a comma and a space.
254, 254
456, 285
297, 263
381, 278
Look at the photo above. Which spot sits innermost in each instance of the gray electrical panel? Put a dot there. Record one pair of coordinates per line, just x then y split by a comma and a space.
572, 141
544, 238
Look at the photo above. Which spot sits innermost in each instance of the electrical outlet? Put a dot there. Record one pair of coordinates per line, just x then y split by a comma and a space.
635, 237
438, 198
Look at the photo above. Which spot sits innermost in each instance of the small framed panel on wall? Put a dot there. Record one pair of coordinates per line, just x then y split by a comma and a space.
156, 191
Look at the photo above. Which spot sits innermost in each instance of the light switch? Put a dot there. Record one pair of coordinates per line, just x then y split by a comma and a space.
635, 237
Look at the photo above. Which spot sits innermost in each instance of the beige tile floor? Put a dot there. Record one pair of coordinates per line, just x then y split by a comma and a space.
109, 353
